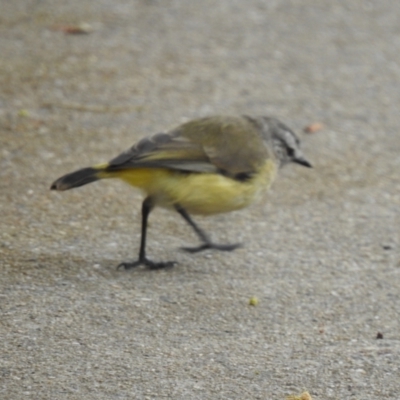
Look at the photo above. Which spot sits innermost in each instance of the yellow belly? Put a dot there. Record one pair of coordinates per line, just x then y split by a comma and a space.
199, 193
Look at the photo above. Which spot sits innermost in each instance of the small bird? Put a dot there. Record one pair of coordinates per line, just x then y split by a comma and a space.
205, 166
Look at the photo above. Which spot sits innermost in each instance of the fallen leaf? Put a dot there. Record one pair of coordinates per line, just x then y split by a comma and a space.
83, 28
314, 127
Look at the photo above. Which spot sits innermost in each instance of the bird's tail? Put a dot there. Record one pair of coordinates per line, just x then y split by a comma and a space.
79, 178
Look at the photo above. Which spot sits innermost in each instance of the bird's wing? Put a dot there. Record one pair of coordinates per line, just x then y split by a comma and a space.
228, 145
164, 150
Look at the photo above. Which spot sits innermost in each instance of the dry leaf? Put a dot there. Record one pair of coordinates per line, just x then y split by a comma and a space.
79, 29
314, 127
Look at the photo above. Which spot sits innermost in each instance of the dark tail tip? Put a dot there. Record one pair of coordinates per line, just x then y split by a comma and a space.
75, 179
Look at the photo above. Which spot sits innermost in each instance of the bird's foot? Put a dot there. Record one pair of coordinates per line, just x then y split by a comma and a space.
212, 246
147, 263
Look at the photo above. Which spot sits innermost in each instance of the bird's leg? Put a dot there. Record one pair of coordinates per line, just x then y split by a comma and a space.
207, 243
147, 206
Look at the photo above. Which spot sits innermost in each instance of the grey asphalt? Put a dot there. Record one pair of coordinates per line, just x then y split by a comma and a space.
321, 254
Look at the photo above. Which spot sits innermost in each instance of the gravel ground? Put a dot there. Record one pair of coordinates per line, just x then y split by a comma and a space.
322, 253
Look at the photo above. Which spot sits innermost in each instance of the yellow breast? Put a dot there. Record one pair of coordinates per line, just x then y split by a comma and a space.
200, 193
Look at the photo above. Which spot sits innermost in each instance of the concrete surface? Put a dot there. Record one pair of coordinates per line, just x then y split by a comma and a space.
322, 252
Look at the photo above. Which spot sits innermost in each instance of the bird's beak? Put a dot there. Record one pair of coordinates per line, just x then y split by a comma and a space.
302, 161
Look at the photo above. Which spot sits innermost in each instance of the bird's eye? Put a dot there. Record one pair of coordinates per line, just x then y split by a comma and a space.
290, 151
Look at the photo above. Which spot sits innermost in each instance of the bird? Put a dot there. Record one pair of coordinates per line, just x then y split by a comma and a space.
205, 166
